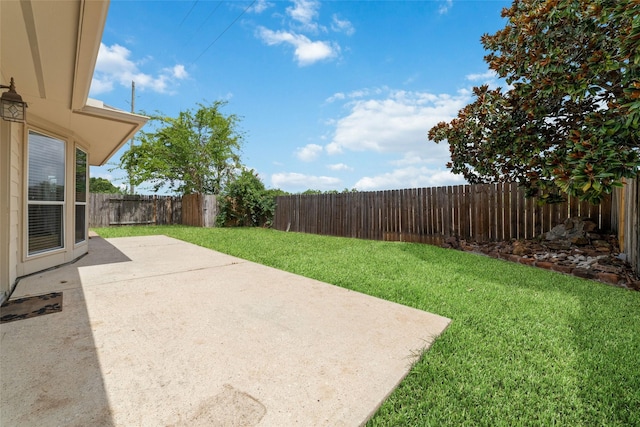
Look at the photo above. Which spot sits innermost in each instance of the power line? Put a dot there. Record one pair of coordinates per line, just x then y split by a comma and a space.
188, 13
224, 31
204, 22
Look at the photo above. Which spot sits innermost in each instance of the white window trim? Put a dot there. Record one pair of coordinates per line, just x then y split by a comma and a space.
63, 203
85, 203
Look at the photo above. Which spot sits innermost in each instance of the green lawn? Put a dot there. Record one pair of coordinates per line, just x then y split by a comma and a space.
525, 347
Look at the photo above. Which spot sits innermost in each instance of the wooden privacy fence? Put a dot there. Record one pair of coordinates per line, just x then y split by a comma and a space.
481, 213
118, 209
626, 219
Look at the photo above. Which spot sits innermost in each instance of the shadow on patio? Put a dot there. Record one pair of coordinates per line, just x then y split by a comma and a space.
50, 369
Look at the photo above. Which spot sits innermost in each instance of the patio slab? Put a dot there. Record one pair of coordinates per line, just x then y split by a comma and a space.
155, 331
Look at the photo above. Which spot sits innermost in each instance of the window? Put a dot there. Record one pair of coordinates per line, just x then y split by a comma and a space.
46, 172
81, 195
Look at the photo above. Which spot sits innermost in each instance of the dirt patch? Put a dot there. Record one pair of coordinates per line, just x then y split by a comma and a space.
229, 408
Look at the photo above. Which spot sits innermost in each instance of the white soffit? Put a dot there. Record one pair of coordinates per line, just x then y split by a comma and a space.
50, 48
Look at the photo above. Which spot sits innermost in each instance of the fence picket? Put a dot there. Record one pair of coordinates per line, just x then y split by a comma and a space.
472, 212
117, 209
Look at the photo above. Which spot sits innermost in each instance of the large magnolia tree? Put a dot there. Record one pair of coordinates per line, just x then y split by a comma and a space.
196, 152
570, 120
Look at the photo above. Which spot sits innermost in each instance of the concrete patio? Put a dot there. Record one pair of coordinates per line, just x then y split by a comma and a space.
158, 332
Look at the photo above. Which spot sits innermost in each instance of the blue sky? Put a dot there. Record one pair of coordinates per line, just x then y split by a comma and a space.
332, 95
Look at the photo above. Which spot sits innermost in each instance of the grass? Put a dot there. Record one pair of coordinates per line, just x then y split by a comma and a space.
526, 346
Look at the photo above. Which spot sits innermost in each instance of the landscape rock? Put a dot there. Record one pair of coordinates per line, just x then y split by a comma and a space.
562, 268
585, 273
544, 264
606, 268
600, 243
580, 241
520, 248
589, 225
608, 278
514, 258
527, 261
598, 259
452, 242
571, 228
559, 245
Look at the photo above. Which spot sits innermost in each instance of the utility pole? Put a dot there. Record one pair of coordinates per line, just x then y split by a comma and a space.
133, 107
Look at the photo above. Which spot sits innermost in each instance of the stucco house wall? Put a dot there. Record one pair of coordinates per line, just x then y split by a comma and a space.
10, 197
50, 49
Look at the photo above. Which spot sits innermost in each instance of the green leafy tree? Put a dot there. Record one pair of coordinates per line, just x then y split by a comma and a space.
246, 202
102, 185
196, 152
570, 121
311, 191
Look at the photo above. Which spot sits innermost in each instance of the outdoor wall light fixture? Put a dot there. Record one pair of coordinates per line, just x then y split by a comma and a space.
12, 107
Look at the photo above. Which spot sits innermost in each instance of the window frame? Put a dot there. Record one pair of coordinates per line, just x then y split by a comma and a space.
29, 202
75, 196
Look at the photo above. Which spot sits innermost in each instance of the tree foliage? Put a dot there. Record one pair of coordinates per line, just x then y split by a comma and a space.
196, 152
311, 191
570, 121
102, 185
245, 201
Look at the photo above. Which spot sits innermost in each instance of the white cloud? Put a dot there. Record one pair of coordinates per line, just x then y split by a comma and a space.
260, 6
335, 97
114, 65
179, 72
305, 12
114, 59
445, 6
339, 167
489, 78
303, 182
302, 18
388, 122
309, 152
410, 177
489, 75
355, 94
101, 86
342, 25
306, 51
411, 79
333, 148
398, 123
438, 155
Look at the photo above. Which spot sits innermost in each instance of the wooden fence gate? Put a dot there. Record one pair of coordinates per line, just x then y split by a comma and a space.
199, 210
119, 209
